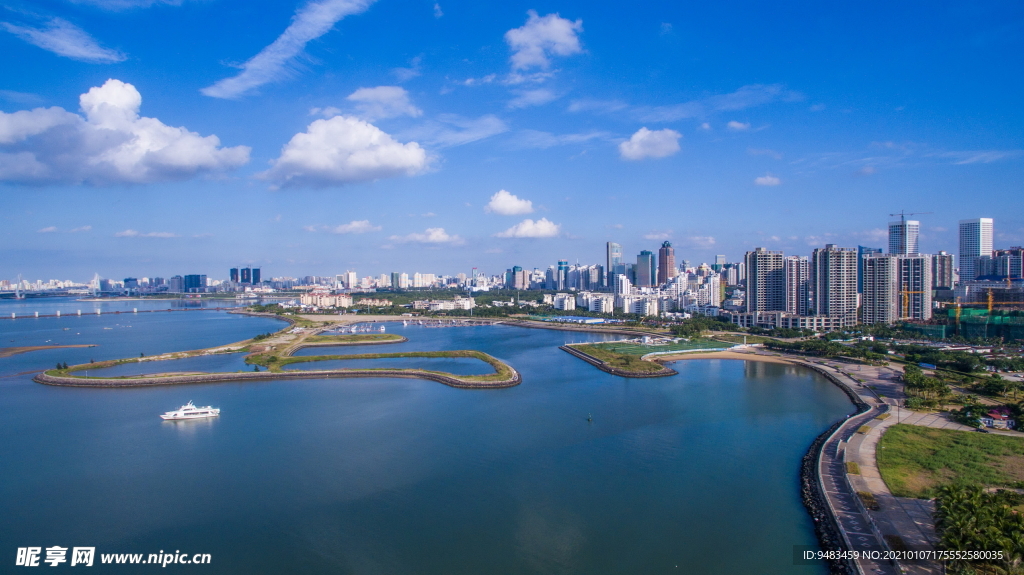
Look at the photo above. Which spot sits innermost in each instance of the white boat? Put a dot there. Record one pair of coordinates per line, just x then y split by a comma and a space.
189, 411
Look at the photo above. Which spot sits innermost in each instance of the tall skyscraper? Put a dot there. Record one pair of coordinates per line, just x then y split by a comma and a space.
255, 276
562, 280
798, 283
834, 281
903, 236
975, 242
766, 281
246, 275
861, 250
613, 258
646, 272
666, 263
942, 271
234, 275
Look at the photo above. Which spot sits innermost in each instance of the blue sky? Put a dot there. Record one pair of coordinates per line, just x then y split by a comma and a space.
149, 137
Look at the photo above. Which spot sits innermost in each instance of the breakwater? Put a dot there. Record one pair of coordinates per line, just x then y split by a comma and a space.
449, 380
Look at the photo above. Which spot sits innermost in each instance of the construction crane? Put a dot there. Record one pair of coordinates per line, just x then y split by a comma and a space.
903, 214
906, 303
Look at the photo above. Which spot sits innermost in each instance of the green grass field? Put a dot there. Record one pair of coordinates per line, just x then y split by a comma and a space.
620, 360
639, 350
914, 461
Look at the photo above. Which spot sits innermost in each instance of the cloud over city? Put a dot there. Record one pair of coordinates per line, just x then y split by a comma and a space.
506, 204
111, 144
542, 228
343, 150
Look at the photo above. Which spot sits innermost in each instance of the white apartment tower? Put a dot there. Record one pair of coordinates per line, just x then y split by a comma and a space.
834, 282
975, 242
798, 283
903, 237
766, 281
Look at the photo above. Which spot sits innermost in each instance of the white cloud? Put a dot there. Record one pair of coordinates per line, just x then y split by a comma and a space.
405, 74
508, 204
527, 98
311, 21
658, 236
437, 10
767, 180
430, 236
541, 37
343, 150
65, 39
48, 230
650, 144
383, 102
700, 241
111, 144
328, 112
356, 227
81, 229
737, 126
745, 97
452, 130
543, 140
528, 228
136, 234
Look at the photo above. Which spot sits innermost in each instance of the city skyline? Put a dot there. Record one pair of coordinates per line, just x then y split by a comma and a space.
522, 133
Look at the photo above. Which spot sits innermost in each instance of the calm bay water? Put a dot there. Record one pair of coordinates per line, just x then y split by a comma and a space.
698, 471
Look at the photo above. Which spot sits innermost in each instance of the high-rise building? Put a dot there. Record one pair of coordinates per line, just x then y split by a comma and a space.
194, 283
915, 285
719, 263
666, 263
613, 258
766, 281
1006, 263
942, 271
646, 272
562, 280
880, 289
903, 236
975, 242
396, 280
255, 276
233, 274
834, 282
861, 250
798, 283
176, 284
897, 287
246, 275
